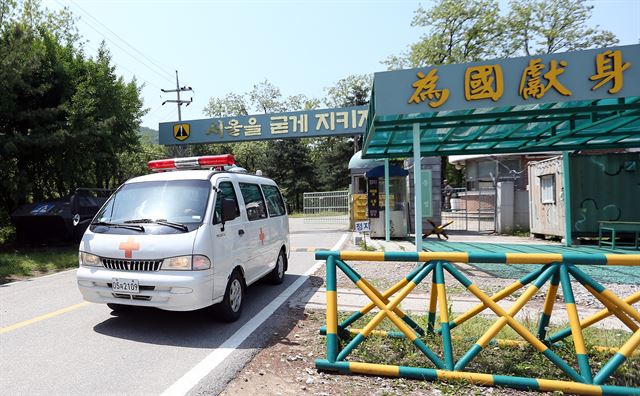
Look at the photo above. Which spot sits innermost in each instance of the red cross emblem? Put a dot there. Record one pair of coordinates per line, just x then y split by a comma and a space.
129, 246
261, 237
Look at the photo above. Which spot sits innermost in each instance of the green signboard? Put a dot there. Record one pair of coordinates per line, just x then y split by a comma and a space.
298, 124
562, 77
427, 194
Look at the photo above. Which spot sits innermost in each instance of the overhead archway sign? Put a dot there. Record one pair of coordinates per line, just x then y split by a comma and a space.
297, 124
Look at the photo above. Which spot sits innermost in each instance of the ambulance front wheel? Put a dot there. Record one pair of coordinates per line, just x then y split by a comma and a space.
230, 308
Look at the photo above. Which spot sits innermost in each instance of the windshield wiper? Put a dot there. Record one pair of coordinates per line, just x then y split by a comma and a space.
116, 225
163, 222
178, 226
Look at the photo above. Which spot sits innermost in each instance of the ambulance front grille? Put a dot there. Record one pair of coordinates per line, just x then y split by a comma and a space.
132, 265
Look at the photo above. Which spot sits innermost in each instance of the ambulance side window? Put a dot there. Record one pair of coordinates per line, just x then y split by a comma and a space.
228, 192
253, 201
274, 200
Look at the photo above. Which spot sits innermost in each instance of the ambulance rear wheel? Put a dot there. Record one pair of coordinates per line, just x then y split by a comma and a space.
231, 306
277, 275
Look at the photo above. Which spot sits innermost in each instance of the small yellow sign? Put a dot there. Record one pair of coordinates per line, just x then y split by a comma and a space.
181, 131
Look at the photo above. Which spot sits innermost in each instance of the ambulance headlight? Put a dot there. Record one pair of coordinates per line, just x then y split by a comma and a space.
196, 262
89, 260
177, 263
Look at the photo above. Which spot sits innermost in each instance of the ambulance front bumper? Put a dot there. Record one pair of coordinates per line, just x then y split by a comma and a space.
169, 290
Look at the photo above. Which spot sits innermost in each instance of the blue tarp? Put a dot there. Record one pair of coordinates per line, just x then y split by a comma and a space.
378, 171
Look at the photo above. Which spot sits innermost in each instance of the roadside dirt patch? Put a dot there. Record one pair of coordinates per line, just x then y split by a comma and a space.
287, 368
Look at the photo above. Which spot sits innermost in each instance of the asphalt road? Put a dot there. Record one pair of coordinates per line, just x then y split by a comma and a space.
53, 343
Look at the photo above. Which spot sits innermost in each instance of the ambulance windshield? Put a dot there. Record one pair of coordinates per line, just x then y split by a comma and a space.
177, 201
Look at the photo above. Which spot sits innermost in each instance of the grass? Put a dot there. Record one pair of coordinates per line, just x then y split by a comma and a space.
366, 247
24, 262
521, 361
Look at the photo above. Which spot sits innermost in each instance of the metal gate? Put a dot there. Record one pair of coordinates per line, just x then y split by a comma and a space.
470, 210
331, 207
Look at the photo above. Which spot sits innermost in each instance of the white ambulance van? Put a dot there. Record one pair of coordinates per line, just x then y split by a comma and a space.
182, 240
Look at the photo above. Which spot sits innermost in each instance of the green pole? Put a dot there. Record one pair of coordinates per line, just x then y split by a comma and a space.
545, 316
566, 181
417, 185
387, 205
333, 343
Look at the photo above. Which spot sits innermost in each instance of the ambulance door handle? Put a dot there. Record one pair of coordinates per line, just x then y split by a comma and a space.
240, 232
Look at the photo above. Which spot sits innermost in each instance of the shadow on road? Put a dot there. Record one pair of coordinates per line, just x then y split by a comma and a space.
203, 329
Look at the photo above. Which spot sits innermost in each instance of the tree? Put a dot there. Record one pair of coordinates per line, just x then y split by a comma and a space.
288, 163
353, 90
266, 98
460, 31
66, 121
544, 27
230, 105
457, 31
331, 155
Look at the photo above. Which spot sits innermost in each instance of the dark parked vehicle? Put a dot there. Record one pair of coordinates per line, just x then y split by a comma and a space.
59, 220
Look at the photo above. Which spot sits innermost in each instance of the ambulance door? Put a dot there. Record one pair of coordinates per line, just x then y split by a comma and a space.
278, 223
228, 242
256, 230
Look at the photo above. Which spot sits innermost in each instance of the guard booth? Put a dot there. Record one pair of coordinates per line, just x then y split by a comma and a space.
398, 203
368, 197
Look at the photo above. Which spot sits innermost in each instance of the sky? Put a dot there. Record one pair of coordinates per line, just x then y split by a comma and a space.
302, 47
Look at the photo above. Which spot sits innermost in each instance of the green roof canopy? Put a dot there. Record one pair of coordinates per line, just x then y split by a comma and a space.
600, 111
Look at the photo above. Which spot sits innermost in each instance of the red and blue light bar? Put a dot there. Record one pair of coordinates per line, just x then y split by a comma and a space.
205, 161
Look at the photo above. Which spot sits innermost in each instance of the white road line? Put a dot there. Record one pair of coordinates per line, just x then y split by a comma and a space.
213, 360
35, 278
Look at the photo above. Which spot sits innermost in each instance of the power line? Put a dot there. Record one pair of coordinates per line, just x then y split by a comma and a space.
159, 67
137, 58
124, 68
123, 49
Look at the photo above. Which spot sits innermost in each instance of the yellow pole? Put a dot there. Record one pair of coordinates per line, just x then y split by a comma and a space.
613, 309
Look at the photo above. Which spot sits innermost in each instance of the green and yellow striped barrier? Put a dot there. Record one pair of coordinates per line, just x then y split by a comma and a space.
558, 269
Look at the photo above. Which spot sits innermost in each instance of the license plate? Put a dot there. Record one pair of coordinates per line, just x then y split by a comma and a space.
125, 285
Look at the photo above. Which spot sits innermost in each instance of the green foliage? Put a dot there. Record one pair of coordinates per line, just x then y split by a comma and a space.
543, 27
66, 120
134, 163
354, 90
148, 135
288, 164
459, 31
330, 159
298, 166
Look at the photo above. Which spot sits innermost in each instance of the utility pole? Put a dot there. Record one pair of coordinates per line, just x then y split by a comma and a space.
179, 150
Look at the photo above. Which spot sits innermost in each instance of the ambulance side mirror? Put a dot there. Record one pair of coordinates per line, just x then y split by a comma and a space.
228, 210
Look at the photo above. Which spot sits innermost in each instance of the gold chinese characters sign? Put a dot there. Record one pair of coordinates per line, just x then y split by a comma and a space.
328, 122
572, 76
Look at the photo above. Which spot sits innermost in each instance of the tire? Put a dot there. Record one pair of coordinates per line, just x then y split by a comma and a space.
230, 308
277, 275
119, 308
